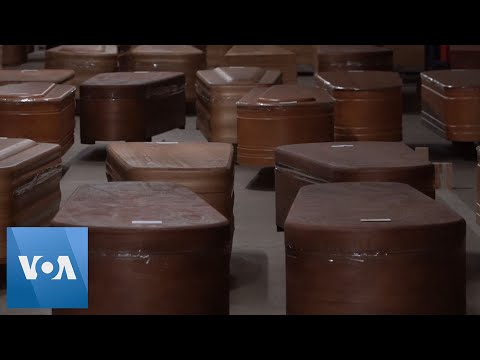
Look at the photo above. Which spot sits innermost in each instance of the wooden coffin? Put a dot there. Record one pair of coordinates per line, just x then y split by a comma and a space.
154, 248
30, 186
86, 60
218, 91
216, 55
205, 168
131, 106
368, 104
179, 58
304, 164
50, 76
44, 112
304, 54
355, 249
464, 56
478, 185
451, 103
352, 57
280, 115
408, 58
1, 55
14, 55
269, 57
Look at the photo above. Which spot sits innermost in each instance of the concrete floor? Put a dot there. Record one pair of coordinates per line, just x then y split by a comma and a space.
258, 252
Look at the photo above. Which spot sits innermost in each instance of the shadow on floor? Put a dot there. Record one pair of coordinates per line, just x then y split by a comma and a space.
250, 269
263, 181
92, 153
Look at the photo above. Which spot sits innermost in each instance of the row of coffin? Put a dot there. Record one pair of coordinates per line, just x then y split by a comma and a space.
160, 234
238, 105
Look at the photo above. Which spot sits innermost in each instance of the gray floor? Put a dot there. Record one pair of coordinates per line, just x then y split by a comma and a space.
258, 253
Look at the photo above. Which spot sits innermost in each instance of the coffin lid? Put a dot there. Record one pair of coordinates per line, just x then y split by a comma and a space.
34, 92
138, 207
331, 161
44, 75
288, 95
359, 80
238, 75
166, 49
453, 79
174, 156
351, 49
329, 217
257, 50
87, 49
16, 152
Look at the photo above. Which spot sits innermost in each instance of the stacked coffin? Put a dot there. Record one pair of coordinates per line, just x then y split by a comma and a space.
354, 248
280, 115
303, 164
269, 57
352, 57
451, 103
154, 248
304, 53
218, 91
30, 186
478, 185
178, 58
131, 106
368, 104
49, 76
40, 111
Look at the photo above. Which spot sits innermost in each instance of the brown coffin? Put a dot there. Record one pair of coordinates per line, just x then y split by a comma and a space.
478, 185
451, 103
205, 168
464, 56
1, 55
342, 258
304, 164
269, 57
216, 55
352, 57
408, 58
40, 111
86, 60
179, 58
368, 104
50, 76
218, 91
154, 248
280, 115
14, 55
131, 106
30, 185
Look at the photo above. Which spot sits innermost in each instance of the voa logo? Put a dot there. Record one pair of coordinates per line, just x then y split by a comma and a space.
64, 266
47, 267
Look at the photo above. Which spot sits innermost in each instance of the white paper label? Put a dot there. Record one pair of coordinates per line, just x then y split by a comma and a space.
146, 221
341, 146
375, 220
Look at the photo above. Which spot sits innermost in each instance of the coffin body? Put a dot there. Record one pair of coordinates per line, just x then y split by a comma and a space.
304, 164
40, 111
86, 60
464, 56
205, 168
352, 248
14, 55
352, 57
270, 57
280, 115
451, 103
30, 176
154, 248
218, 91
216, 55
368, 104
178, 58
131, 106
